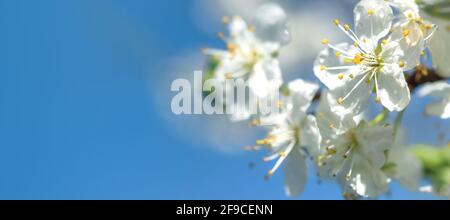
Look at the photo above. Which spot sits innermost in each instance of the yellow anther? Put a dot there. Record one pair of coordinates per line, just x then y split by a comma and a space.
405, 32
330, 125
358, 58
338, 54
364, 40
280, 104
355, 44
231, 47
377, 99
410, 15
225, 19
401, 64
270, 173
216, 57
325, 41
331, 151
228, 75
370, 12
346, 27
422, 53
385, 41
340, 100
336, 21
282, 154
340, 76
262, 142
351, 76
251, 29
322, 67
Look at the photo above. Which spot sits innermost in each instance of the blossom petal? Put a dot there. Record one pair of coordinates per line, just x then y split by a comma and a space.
392, 89
365, 180
270, 23
374, 141
373, 18
437, 89
330, 121
407, 169
327, 58
412, 54
439, 47
238, 26
356, 93
302, 93
266, 75
295, 174
310, 136
441, 109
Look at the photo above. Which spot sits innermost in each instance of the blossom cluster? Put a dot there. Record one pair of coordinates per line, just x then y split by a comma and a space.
326, 124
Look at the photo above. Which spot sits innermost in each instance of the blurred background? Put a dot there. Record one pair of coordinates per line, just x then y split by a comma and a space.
85, 101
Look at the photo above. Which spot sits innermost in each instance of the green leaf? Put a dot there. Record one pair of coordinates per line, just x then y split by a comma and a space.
284, 89
381, 117
429, 156
389, 167
438, 10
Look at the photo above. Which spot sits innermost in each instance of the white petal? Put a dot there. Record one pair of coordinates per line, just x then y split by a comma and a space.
393, 89
310, 136
373, 142
327, 58
373, 18
265, 76
412, 54
302, 93
295, 174
437, 89
273, 72
238, 26
365, 180
329, 121
439, 109
356, 96
392, 52
270, 23
407, 169
439, 47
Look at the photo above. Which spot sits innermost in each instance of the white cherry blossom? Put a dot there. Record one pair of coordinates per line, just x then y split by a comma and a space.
293, 137
353, 151
440, 90
403, 167
411, 30
248, 58
372, 62
439, 47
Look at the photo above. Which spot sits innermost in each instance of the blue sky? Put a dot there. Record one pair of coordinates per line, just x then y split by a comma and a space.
78, 113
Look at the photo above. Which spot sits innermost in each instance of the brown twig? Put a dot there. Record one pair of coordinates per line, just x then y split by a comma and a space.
422, 75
